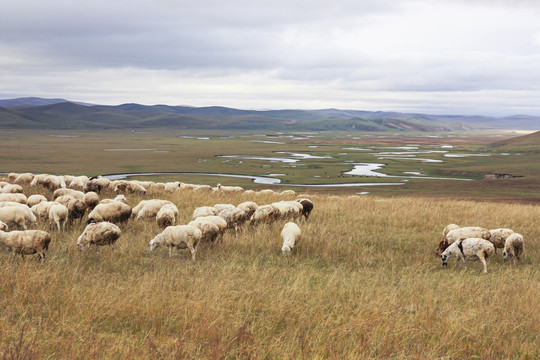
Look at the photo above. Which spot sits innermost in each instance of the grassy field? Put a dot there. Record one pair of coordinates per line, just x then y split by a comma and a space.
101, 152
362, 284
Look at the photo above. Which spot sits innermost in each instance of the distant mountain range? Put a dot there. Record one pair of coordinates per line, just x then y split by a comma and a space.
38, 113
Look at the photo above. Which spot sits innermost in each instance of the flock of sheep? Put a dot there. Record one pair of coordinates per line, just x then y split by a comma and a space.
75, 196
477, 243
80, 197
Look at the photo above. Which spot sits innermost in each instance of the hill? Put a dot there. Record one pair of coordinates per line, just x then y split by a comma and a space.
530, 142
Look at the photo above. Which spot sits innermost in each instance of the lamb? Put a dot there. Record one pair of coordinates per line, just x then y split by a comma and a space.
35, 199
450, 227
291, 235
248, 207
513, 247
264, 214
234, 218
209, 231
462, 233
181, 237
99, 234
204, 211
58, 214
12, 189
471, 249
20, 198
115, 212
307, 207
17, 215
167, 216
26, 242
499, 236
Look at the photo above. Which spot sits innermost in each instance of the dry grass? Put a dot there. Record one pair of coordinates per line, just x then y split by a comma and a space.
363, 284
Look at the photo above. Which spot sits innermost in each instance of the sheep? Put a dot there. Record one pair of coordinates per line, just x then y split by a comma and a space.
3, 226
291, 235
96, 184
181, 237
202, 188
118, 198
209, 231
20, 198
35, 199
462, 233
58, 214
99, 234
156, 203
248, 207
234, 218
41, 210
91, 199
216, 220
171, 186
167, 216
469, 248
128, 187
288, 192
12, 189
289, 209
50, 182
266, 192
78, 182
513, 247
26, 242
220, 207
19, 215
230, 189
450, 227
76, 207
115, 212
264, 214
499, 236
79, 195
12, 177
204, 211
307, 207
151, 209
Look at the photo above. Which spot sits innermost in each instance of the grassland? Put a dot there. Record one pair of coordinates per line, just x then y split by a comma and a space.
363, 284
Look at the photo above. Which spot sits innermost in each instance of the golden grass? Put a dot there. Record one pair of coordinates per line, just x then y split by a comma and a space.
363, 284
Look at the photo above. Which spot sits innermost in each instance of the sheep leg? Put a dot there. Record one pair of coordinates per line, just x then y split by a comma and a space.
485, 264
193, 250
170, 251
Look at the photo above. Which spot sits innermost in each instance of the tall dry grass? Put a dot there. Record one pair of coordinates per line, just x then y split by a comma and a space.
363, 284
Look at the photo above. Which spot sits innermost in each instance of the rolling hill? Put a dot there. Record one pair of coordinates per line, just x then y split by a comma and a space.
530, 142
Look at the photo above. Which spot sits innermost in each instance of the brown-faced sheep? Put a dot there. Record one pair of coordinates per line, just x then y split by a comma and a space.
307, 207
470, 249
115, 212
513, 247
26, 242
99, 234
179, 237
291, 235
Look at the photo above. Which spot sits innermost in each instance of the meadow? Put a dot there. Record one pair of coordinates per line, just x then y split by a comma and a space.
363, 283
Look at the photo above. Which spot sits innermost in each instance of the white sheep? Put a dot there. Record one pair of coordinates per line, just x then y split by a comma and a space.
58, 214
513, 247
462, 233
167, 215
79, 195
499, 236
78, 182
35, 199
20, 198
17, 215
171, 186
91, 199
153, 207
216, 220
115, 212
291, 235
26, 242
449, 228
129, 187
209, 231
99, 234
180, 237
77, 208
204, 211
248, 207
12, 176
220, 207
96, 184
265, 214
24, 179
41, 210
12, 189
470, 249
289, 209
234, 218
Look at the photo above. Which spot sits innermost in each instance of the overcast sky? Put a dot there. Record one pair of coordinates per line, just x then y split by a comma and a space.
430, 56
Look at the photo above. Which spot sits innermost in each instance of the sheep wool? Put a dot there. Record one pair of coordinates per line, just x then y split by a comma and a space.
99, 234
291, 235
26, 242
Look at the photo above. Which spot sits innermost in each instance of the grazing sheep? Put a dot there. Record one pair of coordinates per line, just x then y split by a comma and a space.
513, 247
471, 249
153, 207
204, 211
288, 192
167, 216
26, 242
450, 227
180, 237
96, 184
12, 177
291, 235
79, 195
17, 215
58, 214
209, 231
35, 199
462, 233
50, 182
91, 199
220, 207
12, 189
20, 198
307, 207
289, 209
216, 220
499, 236
248, 207
99, 234
265, 214
128, 187
266, 192
76, 207
115, 212
78, 182
3, 226
171, 186
230, 189
234, 218
41, 210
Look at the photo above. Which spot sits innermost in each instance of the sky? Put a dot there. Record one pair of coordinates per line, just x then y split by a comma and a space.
430, 56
